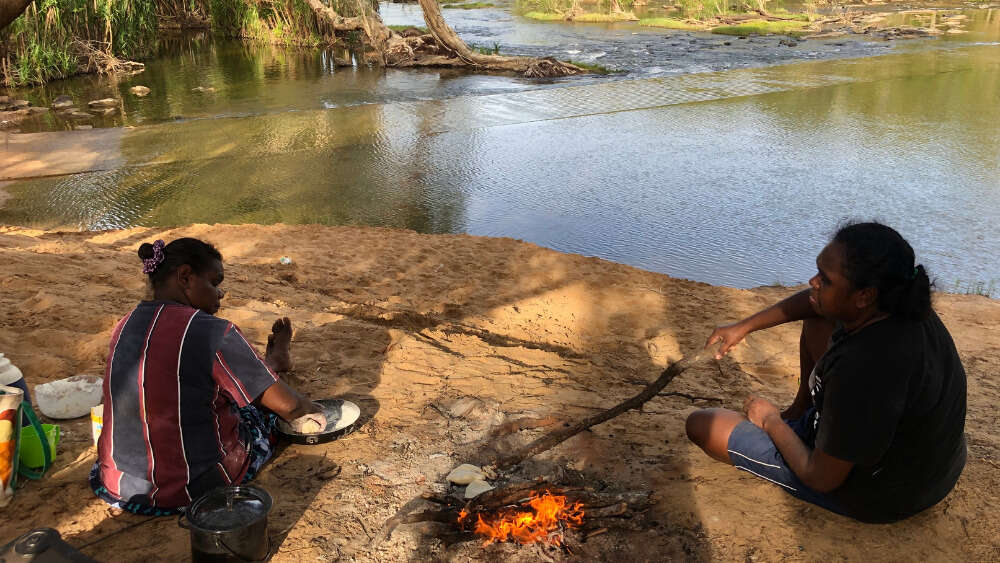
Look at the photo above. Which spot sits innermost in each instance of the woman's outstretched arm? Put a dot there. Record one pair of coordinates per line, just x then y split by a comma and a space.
794, 308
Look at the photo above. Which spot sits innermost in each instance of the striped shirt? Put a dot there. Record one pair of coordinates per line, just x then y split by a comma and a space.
174, 381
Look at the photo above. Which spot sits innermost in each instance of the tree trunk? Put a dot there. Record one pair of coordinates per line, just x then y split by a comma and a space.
340, 23
450, 41
10, 9
449, 50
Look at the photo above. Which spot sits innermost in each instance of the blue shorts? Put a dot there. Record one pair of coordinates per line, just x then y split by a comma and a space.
751, 450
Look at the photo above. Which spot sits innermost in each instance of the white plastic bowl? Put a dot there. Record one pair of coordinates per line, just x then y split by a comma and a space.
69, 398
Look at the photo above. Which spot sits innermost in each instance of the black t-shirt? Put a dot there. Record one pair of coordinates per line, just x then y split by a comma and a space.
891, 399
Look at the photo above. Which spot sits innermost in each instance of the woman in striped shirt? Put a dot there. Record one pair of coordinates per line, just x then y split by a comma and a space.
189, 405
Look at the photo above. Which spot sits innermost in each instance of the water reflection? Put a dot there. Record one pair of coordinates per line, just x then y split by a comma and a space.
333, 167
199, 76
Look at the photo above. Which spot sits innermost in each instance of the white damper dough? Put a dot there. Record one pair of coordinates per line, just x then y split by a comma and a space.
465, 474
310, 426
477, 488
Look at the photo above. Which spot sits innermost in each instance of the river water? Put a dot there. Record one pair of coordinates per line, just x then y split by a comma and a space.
729, 164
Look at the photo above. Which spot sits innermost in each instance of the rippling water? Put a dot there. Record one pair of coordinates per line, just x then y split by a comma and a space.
733, 178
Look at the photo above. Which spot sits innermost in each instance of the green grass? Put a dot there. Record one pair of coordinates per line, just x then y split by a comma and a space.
671, 23
494, 50
279, 22
545, 16
595, 68
605, 18
761, 27
39, 45
469, 6
797, 16
402, 28
986, 289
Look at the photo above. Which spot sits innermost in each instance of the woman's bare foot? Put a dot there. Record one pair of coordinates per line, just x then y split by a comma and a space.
279, 342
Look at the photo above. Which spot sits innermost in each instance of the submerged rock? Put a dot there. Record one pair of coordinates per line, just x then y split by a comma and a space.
103, 103
62, 102
139, 90
20, 104
203, 90
465, 474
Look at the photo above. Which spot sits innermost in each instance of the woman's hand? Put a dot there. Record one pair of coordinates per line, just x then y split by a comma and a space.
309, 424
760, 411
729, 336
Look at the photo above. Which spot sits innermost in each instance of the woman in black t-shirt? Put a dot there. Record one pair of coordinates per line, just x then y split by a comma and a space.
876, 431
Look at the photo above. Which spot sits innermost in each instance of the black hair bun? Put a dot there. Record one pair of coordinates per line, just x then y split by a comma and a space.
145, 251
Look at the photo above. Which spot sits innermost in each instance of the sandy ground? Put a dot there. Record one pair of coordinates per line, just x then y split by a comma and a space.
441, 339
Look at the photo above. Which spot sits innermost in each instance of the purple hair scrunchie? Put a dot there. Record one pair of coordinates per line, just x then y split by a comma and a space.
149, 265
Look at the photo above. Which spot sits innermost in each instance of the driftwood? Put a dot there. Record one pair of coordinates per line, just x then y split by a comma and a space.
448, 39
441, 47
556, 437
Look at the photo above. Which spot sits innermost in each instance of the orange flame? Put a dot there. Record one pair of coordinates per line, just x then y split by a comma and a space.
528, 526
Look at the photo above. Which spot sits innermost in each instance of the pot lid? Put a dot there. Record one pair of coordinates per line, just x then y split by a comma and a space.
230, 508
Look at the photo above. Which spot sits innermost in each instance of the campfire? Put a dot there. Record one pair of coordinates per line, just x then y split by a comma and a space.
538, 512
530, 513
543, 518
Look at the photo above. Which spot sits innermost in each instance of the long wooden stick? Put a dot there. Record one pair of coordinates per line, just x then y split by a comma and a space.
556, 437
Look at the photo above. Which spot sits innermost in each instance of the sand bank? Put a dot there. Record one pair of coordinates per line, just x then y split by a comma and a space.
406, 325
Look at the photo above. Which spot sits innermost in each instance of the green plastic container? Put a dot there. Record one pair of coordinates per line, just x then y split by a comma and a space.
31, 447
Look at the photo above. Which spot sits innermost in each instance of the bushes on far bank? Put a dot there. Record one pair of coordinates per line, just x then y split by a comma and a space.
672, 23
467, 6
796, 27
588, 17
545, 16
51, 39
58, 38
762, 27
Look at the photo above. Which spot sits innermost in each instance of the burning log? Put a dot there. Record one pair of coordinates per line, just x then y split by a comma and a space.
556, 437
527, 512
544, 519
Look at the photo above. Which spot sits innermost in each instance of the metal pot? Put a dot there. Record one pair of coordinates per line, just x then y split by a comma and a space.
229, 524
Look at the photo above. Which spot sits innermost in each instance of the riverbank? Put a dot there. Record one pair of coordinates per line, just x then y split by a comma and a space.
443, 338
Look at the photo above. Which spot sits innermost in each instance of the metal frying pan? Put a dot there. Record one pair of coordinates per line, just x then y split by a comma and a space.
340, 418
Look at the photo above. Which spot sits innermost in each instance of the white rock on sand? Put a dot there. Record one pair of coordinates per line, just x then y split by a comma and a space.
477, 488
465, 474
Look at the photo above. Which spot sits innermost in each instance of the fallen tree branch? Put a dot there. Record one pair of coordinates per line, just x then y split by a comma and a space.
449, 40
556, 437
692, 398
